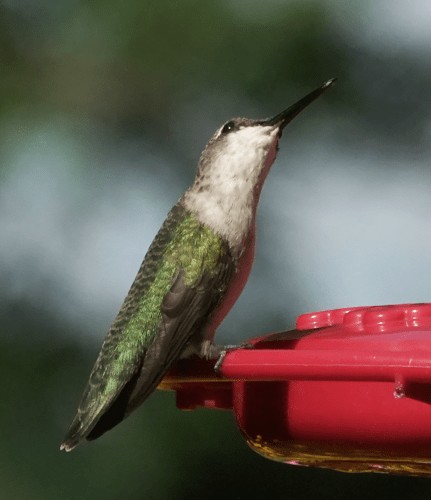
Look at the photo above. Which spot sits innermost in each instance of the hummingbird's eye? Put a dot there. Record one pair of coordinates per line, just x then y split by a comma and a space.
229, 126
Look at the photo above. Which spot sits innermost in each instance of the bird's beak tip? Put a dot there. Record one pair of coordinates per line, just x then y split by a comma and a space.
286, 116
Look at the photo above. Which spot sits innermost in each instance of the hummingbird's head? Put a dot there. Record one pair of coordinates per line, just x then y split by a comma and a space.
233, 168
242, 150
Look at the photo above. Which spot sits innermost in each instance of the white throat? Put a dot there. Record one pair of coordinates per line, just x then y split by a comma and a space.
226, 190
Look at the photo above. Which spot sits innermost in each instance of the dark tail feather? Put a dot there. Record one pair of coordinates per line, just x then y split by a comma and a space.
116, 412
80, 429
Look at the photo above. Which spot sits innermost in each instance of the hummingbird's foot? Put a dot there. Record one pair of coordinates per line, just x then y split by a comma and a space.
216, 351
209, 350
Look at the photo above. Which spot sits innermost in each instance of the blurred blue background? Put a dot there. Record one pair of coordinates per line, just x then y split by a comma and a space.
104, 110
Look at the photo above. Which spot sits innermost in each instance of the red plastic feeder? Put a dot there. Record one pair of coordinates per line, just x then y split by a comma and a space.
349, 389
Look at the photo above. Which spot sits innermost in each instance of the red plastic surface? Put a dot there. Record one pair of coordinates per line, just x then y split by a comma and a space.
348, 389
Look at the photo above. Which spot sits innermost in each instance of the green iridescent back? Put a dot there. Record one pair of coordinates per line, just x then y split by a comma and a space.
181, 243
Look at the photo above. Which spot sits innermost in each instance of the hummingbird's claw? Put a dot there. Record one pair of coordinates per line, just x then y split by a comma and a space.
217, 366
243, 345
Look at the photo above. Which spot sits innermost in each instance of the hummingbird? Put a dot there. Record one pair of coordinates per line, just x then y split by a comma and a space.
193, 273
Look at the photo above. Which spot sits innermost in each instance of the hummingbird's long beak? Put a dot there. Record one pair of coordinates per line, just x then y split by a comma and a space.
286, 116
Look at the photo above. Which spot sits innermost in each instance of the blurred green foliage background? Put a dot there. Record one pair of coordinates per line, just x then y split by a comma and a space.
104, 110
